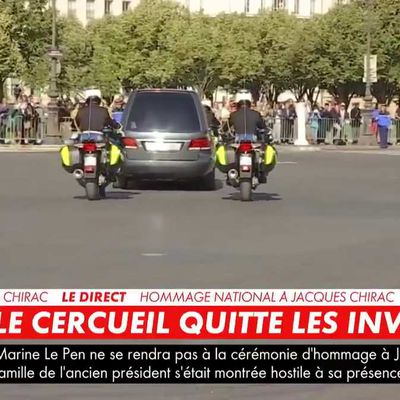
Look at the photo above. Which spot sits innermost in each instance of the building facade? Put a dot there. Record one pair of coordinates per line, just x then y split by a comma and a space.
87, 10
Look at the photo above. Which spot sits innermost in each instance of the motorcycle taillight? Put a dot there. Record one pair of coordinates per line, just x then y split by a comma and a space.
245, 147
89, 147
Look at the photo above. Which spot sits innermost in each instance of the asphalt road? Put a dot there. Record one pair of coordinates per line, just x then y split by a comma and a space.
325, 220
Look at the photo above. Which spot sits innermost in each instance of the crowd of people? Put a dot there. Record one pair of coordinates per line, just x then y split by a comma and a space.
331, 123
345, 125
23, 121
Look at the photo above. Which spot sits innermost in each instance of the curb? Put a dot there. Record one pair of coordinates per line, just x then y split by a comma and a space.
292, 149
280, 148
29, 149
363, 149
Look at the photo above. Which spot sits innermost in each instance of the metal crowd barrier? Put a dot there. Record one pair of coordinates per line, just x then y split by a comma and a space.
66, 127
326, 130
333, 131
284, 130
330, 131
14, 130
394, 132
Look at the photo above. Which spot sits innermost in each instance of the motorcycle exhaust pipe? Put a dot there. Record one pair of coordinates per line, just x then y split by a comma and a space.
233, 174
78, 174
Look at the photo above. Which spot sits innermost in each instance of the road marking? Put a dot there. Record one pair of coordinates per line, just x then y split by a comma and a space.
287, 162
153, 254
373, 152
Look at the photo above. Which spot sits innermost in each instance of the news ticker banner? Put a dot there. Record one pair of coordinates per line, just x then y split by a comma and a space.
205, 364
199, 314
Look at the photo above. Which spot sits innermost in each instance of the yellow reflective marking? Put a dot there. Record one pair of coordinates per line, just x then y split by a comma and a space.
65, 156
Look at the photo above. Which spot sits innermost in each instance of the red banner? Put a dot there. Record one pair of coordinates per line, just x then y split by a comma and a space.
199, 322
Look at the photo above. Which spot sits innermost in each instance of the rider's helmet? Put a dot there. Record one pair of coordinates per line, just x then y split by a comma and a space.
93, 100
244, 103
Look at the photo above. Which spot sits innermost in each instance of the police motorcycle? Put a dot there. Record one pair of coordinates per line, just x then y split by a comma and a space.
246, 160
94, 159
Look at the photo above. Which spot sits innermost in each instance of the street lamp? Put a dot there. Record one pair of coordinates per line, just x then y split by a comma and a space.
53, 131
367, 138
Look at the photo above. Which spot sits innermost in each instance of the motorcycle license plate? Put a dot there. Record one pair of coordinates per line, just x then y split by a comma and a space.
90, 161
246, 160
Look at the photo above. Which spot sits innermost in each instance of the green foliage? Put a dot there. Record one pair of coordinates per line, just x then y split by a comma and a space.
148, 53
195, 48
30, 27
75, 44
109, 45
240, 59
161, 44
10, 56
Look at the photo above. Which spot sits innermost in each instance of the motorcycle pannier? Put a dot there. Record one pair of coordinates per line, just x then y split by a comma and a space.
270, 158
225, 158
70, 158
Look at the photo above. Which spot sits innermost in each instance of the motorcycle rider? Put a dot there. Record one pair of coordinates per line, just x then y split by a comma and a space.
94, 117
247, 124
246, 121
212, 120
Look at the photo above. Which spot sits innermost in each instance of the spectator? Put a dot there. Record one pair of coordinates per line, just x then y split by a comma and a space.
335, 127
374, 122
212, 121
288, 117
3, 107
38, 117
384, 122
325, 123
117, 108
3, 119
356, 119
397, 122
79, 104
315, 119
17, 92
343, 113
24, 117
343, 117
118, 104
225, 113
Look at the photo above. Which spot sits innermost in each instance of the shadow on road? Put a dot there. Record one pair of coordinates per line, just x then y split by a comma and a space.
171, 186
256, 196
113, 196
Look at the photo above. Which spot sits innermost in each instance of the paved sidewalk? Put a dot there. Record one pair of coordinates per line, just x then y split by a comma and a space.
29, 148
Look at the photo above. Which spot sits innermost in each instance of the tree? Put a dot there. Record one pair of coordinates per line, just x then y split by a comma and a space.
148, 31
386, 44
109, 43
30, 27
76, 47
305, 68
195, 46
10, 57
275, 41
343, 44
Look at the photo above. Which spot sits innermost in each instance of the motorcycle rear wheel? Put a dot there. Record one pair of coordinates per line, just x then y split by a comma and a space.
92, 191
245, 190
